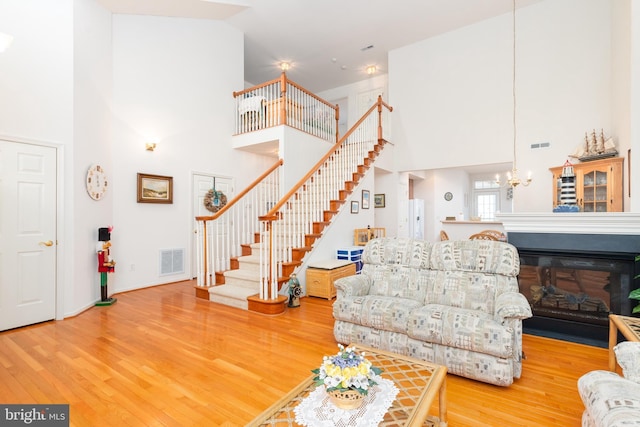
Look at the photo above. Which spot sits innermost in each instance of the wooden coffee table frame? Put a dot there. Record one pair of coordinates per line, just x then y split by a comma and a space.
629, 327
418, 383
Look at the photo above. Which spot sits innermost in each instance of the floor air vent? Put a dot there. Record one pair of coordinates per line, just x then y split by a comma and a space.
171, 261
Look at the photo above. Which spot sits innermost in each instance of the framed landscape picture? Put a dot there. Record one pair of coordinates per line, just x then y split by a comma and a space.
378, 200
365, 199
355, 207
155, 188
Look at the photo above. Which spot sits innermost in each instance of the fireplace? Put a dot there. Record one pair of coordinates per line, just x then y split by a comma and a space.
573, 279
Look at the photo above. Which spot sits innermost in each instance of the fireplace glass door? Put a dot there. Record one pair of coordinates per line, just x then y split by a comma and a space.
575, 288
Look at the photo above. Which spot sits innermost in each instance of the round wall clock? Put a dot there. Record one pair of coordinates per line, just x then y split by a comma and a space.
448, 196
96, 182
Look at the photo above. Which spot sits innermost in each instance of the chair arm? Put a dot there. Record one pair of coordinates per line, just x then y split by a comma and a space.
512, 305
356, 285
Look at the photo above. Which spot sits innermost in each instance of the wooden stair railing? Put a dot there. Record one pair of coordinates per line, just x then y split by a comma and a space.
284, 102
290, 229
224, 236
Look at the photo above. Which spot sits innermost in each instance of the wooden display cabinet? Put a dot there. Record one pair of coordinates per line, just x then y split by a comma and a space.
598, 185
362, 235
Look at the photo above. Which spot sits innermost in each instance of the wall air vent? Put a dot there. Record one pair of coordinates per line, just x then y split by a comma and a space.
171, 261
540, 145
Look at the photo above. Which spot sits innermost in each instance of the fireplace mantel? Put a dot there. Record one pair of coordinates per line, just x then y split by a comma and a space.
625, 223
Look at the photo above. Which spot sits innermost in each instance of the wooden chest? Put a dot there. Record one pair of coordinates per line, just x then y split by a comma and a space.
320, 280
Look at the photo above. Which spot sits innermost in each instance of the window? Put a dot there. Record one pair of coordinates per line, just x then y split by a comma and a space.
486, 199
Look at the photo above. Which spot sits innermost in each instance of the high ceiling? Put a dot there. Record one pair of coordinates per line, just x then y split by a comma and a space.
328, 43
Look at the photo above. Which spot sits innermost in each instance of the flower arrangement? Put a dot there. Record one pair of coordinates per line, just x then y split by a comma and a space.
347, 370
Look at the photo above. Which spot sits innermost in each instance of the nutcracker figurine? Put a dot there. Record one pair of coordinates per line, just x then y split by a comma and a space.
105, 264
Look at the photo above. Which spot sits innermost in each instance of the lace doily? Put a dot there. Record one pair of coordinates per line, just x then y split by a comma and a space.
317, 410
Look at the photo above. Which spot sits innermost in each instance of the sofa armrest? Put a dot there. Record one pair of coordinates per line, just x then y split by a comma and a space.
357, 285
512, 305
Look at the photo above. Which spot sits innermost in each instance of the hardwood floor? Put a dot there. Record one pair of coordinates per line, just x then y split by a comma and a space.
161, 357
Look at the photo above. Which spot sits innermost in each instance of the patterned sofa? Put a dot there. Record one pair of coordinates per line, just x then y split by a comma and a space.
612, 400
453, 303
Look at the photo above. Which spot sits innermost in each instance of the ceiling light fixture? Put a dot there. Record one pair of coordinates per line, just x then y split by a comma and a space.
5, 41
513, 180
371, 69
285, 66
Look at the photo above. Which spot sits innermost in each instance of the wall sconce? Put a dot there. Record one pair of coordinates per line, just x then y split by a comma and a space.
5, 41
371, 69
284, 66
150, 146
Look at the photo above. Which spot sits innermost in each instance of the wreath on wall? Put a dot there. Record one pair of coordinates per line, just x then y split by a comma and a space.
214, 200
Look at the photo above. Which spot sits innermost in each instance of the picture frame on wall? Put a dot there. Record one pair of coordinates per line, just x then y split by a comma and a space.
155, 188
355, 207
378, 201
365, 199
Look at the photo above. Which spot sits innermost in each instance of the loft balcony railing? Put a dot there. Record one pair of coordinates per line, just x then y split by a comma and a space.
292, 225
221, 236
283, 102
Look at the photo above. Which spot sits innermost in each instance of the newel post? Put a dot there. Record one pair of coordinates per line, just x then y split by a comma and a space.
379, 117
283, 99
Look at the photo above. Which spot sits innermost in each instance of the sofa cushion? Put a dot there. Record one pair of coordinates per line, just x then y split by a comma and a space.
380, 312
485, 256
470, 290
466, 363
397, 250
609, 399
461, 328
400, 281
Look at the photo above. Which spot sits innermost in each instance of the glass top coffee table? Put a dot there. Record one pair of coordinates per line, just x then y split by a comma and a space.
418, 382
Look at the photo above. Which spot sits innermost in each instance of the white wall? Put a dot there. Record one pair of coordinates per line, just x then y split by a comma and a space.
453, 102
173, 80
301, 153
635, 103
92, 145
351, 93
36, 87
36, 101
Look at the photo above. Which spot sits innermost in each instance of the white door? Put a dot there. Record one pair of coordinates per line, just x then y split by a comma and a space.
27, 234
201, 185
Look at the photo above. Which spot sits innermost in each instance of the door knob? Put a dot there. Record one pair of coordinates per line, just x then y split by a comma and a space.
47, 243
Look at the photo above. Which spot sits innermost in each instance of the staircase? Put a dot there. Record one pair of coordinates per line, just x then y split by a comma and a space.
287, 233
241, 282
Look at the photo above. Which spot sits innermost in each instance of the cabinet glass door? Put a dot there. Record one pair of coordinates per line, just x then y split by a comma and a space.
594, 190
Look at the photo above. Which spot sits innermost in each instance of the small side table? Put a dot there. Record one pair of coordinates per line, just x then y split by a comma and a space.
629, 327
321, 275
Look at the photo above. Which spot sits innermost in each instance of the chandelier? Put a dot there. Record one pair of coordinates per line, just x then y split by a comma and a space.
513, 180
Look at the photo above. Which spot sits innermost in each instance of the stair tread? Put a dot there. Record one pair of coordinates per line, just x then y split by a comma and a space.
243, 275
238, 292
